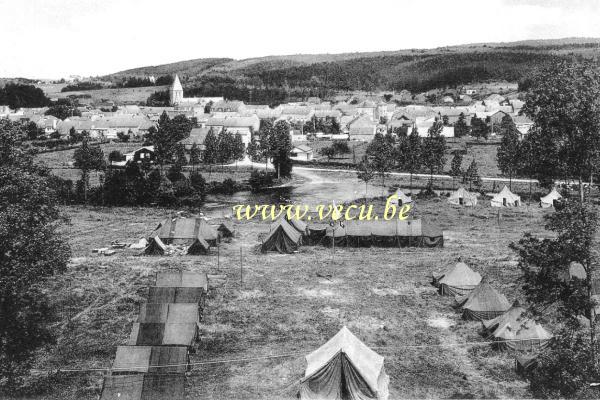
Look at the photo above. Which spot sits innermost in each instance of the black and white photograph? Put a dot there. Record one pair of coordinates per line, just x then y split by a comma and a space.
314, 200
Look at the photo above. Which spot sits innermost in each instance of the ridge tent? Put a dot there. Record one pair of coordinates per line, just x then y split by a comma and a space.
282, 238
169, 313
385, 233
299, 225
155, 247
184, 231
144, 387
548, 200
344, 368
158, 294
225, 229
458, 280
150, 359
512, 330
161, 334
462, 197
506, 198
200, 246
484, 302
182, 279
316, 232
402, 198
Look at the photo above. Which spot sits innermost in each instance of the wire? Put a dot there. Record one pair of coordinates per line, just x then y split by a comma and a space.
283, 355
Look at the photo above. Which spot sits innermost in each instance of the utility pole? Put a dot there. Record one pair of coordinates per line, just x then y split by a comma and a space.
241, 269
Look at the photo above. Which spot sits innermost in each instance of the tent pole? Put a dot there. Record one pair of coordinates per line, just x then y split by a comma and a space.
241, 270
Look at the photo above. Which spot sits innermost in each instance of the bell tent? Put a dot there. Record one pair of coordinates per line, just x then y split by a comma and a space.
548, 200
506, 198
484, 302
402, 198
200, 246
155, 247
184, 231
512, 330
462, 197
459, 280
344, 368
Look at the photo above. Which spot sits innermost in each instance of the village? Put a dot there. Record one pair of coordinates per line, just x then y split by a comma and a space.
303, 210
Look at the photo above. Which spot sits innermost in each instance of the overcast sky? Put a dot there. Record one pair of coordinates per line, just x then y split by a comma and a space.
57, 38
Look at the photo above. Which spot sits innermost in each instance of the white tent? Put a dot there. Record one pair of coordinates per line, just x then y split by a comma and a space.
458, 280
506, 198
462, 197
548, 200
402, 198
344, 368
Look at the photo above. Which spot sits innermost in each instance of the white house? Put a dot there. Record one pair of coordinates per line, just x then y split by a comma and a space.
302, 152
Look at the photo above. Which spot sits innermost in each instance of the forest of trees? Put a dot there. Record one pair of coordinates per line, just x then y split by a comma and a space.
17, 95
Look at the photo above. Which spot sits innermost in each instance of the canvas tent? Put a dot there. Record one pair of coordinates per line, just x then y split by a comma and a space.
155, 247
143, 387
282, 238
484, 302
512, 330
462, 197
184, 231
316, 232
199, 246
225, 229
150, 360
344, 368
169, 313
402, 198
548, 200
506, 198
299, 225
182, 279
393, 233
157, 294
160, 334
458, 280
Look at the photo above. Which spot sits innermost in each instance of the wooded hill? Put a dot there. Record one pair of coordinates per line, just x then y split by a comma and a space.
414, 69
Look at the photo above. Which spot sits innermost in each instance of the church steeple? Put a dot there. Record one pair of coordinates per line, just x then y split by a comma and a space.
176, 91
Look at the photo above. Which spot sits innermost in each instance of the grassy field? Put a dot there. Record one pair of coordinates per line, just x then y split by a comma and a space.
283, 307
119, 96
484, 155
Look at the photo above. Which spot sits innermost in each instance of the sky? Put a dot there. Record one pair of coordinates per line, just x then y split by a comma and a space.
50, 39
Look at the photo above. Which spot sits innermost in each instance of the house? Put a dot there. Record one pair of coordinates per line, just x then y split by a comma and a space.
447, 99
423, 124
142, 154
523, 124
332, 114
47, 123
227, 108
362, 128
244, 126
367, 107
197, 137
302, 152
495, 118
297, 114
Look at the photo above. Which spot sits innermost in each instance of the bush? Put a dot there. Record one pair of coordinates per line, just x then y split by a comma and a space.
260, 180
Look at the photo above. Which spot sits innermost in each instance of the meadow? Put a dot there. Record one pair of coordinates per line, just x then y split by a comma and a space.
261, 319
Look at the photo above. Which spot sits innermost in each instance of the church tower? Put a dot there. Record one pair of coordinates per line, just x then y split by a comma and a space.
176, 92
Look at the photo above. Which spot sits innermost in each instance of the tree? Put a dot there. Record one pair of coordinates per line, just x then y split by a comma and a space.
211, 150
563, 101
380, 155
460, 127
225, 147
409, 153
327, 151
341, 147
198, 183
365, 173
168, 134
479, 128
31, 250
195, 155
115, 156
508, 153
17, 95
254, 150
179, 156
124, 137
239, 148
88, 158
472, 176
433, 150
545, 266
279, 144
456, 166
63, 111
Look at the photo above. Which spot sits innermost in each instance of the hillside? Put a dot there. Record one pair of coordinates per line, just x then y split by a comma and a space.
274, 78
